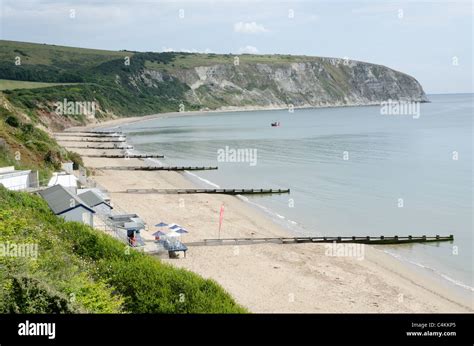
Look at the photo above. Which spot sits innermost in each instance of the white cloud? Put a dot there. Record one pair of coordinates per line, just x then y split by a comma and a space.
249, 28
185, 50
248, 50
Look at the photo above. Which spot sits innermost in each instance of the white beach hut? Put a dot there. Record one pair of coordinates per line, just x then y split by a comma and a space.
67, 181
13, 179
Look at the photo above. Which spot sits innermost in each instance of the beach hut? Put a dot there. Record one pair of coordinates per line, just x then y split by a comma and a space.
66, 204
68, 181
97, 191
16, 180
68, 167
96, 202
127, 227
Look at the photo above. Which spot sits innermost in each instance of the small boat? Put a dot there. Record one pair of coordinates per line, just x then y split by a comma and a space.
276, 124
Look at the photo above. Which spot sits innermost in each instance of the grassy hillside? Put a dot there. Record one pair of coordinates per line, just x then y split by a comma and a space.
104, 77
26, 146
6, 84
78, 269
50, 63
128, 83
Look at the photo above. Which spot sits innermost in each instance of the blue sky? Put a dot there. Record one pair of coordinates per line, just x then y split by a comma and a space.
430, 40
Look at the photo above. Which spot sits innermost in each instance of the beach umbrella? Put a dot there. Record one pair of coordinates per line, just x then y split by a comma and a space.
161, 224
181, 230
159, 234
174, 226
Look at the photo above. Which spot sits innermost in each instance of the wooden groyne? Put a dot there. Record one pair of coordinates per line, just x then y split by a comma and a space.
155, 168
210, 191
91, 132
93, 140
382, 240
103, 132
105, 148
93, 135
144, 156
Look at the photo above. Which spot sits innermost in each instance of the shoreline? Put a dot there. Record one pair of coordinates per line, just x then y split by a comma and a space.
378, 271
460, 287
100, 125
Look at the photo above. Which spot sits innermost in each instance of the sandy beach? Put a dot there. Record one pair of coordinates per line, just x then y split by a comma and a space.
269, 277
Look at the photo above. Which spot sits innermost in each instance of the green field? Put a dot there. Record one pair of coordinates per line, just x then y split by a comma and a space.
47, 54
6, 84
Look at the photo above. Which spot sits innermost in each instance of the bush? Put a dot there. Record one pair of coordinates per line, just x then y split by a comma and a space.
12, 121
31, 296
53, 158
80, 269
76, 159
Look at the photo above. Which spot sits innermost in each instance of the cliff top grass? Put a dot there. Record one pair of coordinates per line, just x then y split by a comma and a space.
73, 57
48, 54
68, 267
18, 84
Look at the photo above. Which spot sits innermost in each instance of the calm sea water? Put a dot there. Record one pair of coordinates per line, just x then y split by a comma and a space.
351, 171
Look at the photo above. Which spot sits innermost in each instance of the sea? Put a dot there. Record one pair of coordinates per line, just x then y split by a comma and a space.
352, 171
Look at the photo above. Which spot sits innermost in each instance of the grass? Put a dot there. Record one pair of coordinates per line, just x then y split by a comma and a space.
191, 60
16, 84
46, 54
25, 146
148, 82
79, 269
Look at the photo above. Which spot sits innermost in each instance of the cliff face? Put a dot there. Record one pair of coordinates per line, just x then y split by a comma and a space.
137, 83
318, 82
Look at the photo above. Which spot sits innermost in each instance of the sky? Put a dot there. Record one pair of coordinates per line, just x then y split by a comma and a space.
429, 40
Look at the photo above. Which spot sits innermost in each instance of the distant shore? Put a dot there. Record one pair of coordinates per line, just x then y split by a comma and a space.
269, 277
117, 122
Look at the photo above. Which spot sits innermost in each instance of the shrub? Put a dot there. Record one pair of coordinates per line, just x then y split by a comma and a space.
80, 269
12, 121
76, 159
29, 295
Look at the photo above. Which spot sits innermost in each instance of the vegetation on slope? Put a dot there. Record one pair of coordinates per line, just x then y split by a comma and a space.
25, 146
17, 84
133, 83
79, 269
104, 77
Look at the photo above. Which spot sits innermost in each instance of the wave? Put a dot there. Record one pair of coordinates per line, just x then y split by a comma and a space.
208, 182
289, 224
432, 270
